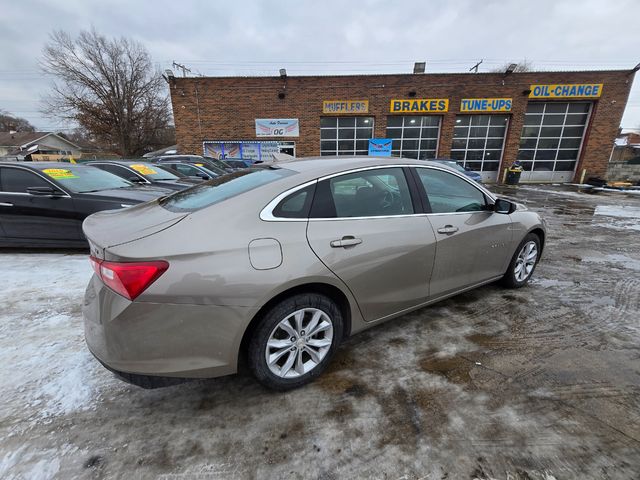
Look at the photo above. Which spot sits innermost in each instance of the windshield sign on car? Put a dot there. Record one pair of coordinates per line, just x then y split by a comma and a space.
84, 179
58, 173
143, 169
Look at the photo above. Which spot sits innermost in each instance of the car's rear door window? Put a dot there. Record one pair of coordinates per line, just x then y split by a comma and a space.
448, 193
367, 193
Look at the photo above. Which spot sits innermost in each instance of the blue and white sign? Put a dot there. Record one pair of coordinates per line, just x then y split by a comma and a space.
277, 127
380, 147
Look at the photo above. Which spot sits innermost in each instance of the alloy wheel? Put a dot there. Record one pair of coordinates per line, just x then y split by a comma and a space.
299, 342
526, 261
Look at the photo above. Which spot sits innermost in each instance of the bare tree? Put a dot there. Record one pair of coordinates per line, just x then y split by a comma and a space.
523, 66
109, 87
10, 122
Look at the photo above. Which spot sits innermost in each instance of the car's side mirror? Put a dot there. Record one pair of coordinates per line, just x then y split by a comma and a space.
504, 206
203, 176
136, 180
44, 191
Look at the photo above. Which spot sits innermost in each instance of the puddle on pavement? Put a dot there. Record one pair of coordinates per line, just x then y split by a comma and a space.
454, 369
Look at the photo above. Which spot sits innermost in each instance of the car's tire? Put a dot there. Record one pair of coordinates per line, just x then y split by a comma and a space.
523, 263
283, 333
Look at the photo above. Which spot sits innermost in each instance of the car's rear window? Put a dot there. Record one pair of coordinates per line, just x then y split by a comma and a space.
221, 188
85, 179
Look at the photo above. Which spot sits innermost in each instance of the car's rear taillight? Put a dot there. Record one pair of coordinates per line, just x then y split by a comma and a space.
128, 279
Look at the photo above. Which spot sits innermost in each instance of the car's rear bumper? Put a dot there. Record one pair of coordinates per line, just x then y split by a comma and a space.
164, 340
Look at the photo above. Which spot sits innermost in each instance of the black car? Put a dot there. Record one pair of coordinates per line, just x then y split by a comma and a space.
218, 166
43, 204
145, 173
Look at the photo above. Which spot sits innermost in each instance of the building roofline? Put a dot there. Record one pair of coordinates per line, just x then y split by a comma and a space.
403, 74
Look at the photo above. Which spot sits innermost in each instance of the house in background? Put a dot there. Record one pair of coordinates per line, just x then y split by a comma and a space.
46, 146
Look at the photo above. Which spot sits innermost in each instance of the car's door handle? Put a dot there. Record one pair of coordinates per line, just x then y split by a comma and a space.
6, 204
448, 229
346, 241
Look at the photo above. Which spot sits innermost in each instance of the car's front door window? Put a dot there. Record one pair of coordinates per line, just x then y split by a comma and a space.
17, 180
448, 193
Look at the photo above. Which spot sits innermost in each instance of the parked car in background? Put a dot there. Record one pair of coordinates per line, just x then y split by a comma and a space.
212, 163
43, 204
316, 250
459, 168
238, 163
193, 168
145, 173
219, 163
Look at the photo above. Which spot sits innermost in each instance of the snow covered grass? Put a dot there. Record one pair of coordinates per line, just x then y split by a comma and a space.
47, 370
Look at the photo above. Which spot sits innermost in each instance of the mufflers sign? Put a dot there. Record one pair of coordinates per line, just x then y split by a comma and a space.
345, 106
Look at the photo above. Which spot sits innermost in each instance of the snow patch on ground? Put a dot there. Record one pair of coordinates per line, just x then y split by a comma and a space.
618, 217
617, 259
49, 371
623, 211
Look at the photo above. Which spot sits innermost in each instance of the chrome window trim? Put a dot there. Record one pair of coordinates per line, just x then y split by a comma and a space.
266, 214
38, 174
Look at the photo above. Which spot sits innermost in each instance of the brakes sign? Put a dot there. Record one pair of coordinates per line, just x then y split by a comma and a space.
59, 173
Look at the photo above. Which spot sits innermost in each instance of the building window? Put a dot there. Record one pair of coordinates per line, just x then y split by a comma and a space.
478, 141
414, 136
552, 135
345, 135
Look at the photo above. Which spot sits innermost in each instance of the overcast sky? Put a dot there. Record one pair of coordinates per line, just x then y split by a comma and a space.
307, 37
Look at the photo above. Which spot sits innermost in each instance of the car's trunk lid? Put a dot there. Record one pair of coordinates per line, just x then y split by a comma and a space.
116, 227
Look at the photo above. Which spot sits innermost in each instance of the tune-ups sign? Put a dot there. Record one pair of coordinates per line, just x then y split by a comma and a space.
277, 127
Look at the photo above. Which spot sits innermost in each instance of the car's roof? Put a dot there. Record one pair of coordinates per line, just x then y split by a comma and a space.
186, 160
181, 157
42, 165
319, 166
123, 162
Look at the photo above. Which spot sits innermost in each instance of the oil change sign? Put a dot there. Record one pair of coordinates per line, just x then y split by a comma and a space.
567, 90
485, 104
59, 173
419, 105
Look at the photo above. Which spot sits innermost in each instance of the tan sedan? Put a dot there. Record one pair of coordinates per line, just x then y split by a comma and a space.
280, 264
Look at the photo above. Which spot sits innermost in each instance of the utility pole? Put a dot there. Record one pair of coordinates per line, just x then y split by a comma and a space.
475, 67
182, 67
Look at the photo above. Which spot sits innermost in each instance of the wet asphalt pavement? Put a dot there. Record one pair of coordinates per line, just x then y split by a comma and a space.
537, 383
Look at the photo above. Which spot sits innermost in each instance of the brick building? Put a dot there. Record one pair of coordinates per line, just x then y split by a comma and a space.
556, 123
